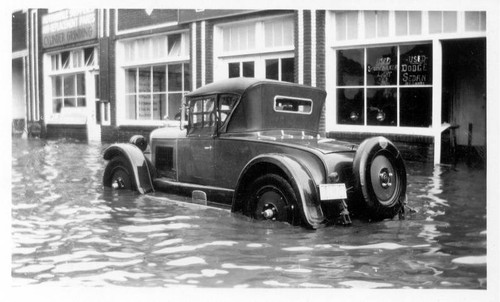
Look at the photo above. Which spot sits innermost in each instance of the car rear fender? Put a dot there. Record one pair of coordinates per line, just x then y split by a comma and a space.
138, 162
297, 175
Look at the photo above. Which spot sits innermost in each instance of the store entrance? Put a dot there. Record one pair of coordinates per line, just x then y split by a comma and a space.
464, 97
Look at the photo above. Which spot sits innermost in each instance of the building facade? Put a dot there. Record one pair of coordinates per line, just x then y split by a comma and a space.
416, 77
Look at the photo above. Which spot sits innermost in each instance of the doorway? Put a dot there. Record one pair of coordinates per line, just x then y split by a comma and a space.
464, 96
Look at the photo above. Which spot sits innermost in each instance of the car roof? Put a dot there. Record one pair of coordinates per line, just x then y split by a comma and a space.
236, 86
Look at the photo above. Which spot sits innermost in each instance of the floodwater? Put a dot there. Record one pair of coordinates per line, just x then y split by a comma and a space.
68, 230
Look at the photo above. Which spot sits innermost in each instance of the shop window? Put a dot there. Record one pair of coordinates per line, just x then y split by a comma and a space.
68, 91
155, 92
392, 78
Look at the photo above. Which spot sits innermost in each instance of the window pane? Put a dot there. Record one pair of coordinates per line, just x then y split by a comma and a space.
472, 21
57, 86
77, 58
251, 36
174, 104
65, 59
54, 59
131, 79
370, 27
242, 33
159, 79
449, 22
89, 56
57, 105
145, 79
248, 69
415, 23
175, 77
288, 32
401, 23
226, 104
292, 105
272, 69
382, 107
435, 22
416, 107
158, 106
382, 24
159, 47
174, 45
416, 64
187, 77
234, 70
350, 67
352, 25
97, 86
130, 107
340, 26
287, 69
226, 37
381, 66
144, 107
69, 85
269, 34
80, 84
69, 102
81, 102
350, 106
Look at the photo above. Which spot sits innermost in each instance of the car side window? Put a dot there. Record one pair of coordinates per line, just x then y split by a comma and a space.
226, 105
202, 119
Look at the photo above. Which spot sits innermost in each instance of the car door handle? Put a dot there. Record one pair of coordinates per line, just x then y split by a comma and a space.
208, 148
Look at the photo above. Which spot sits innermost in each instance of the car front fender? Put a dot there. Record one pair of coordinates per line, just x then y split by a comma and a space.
138, 163
299, 178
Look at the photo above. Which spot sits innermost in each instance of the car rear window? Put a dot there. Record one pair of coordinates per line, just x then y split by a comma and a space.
292, 105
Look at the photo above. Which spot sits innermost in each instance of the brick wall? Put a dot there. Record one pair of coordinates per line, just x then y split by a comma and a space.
209, 52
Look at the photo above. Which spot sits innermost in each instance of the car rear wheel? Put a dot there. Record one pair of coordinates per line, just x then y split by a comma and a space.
118, 175
272, 198
381, 178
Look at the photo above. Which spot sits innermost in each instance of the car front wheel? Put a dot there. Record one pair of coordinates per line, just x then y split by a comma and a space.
272, 198
118, 175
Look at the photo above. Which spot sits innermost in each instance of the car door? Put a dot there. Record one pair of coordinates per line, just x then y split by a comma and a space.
196, 150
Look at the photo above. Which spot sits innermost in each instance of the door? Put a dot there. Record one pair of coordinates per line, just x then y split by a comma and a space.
93, 105
196, 152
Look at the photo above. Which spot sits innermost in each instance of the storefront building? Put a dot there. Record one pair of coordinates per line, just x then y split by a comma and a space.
26, 111
416, 77
410, 76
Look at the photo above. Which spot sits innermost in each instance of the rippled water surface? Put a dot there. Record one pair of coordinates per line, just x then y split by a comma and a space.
68, 230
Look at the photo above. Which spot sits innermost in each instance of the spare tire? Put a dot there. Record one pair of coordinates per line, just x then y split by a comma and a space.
380, 175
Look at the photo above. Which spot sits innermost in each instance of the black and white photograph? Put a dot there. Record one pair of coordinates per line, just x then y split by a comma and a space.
254, 151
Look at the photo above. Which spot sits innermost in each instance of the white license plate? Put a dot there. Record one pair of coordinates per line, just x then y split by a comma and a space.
332, 191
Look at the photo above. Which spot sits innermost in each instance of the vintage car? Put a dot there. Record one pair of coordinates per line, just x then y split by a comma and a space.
254, 146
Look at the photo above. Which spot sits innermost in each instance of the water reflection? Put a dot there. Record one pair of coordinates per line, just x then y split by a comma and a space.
68, 230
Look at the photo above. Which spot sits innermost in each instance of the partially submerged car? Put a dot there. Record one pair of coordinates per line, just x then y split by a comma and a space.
254, 146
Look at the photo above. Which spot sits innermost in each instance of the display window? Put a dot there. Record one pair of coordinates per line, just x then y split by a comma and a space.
385, 86
154, 75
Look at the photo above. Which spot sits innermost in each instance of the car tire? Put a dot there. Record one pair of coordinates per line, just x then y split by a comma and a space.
380, 179
272, 198
118, 175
